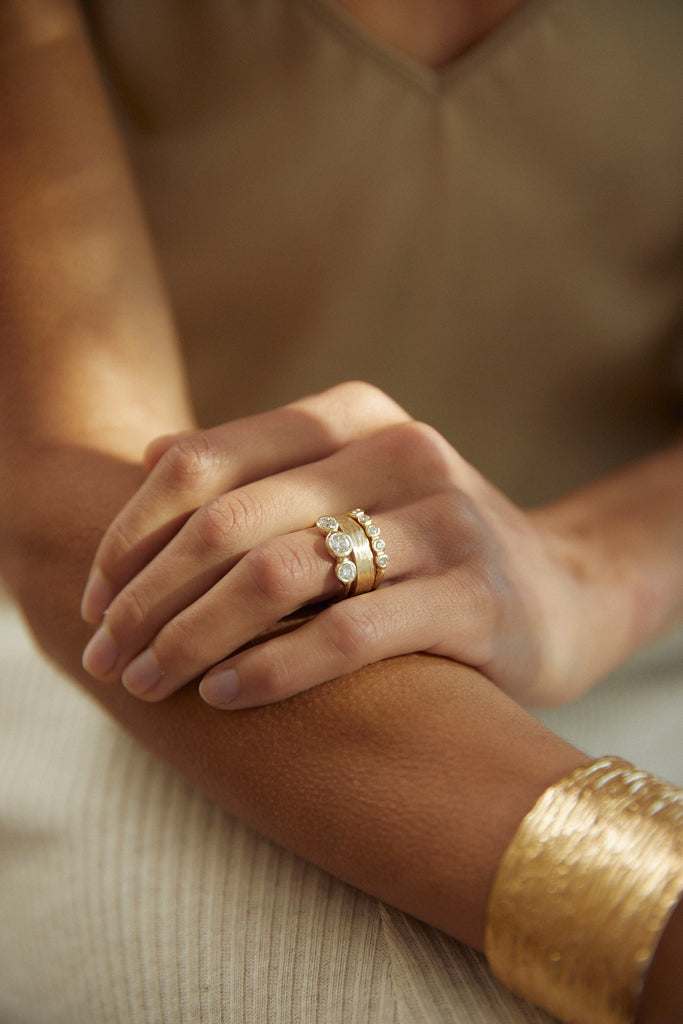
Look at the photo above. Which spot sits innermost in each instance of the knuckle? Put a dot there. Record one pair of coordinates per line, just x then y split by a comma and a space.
458, 520
362, 394
430, 453
421, 453
212, 525
280, 570
353, 404
119, 541
451, 528
180, 642
350, 631
344, 391
128, 612
188, 462
226, 520
272, 676
481, 597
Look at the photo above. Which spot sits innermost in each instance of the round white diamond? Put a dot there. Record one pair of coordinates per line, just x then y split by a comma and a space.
372, 530
327, 523
382, 561
357, 512
346, 572
339, 544
362, 518
378, 544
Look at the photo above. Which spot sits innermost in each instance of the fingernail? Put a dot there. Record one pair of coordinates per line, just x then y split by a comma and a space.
221, 688
142, 674
101, 654
97, 596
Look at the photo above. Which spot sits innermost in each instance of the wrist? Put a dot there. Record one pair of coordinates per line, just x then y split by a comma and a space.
626, 533
584, 621
616, 597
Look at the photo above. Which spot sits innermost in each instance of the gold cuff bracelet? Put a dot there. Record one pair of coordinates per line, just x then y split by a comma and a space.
584, 892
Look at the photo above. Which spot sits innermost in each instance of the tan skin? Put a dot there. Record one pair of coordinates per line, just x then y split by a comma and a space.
75, 421
432, 32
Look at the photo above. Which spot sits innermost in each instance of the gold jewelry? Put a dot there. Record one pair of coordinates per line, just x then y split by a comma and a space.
584, 892
354, 541
377, 544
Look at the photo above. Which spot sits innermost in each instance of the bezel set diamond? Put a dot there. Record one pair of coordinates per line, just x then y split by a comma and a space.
372, 532
340, 545
346, 571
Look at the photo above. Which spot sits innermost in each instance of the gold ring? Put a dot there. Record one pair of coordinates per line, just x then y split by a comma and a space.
355, 542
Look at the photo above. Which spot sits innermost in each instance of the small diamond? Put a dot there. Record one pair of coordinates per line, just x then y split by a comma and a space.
378, 544
327, 523
346, 572
362, 518
382, 561
357, 512
372, 530
339, 544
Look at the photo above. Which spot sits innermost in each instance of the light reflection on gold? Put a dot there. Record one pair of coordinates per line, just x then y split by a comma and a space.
584, 892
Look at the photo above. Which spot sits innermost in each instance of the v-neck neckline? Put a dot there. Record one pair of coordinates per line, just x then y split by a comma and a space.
431, 80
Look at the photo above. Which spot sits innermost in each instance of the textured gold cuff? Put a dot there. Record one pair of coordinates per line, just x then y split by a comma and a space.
584, 892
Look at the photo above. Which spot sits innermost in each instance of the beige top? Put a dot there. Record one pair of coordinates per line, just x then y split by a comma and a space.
498, 245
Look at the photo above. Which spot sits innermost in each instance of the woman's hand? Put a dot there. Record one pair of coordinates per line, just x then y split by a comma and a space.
219, 545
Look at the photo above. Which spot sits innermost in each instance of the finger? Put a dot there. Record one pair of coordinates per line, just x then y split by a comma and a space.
159, 446
209, 546
343, 638
207, 561
195, 468
220, 533
268, 584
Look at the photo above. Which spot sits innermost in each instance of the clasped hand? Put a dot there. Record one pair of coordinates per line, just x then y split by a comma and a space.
219, 544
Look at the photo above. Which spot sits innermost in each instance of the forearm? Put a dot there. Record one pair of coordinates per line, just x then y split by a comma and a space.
88, 349
407, 779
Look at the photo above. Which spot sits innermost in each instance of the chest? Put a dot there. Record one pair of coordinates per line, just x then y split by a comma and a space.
432, 32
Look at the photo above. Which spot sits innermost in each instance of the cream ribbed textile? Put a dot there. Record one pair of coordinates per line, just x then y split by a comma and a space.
128, 898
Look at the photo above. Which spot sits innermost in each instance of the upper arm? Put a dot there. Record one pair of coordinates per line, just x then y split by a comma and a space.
88, 345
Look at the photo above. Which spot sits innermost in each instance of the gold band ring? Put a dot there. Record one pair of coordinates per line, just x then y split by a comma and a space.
355, 542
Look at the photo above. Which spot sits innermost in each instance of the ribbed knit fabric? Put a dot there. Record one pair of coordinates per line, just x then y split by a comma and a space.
128, 898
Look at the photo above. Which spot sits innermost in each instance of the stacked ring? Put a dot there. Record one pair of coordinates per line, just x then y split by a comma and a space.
354, 540
377, 544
